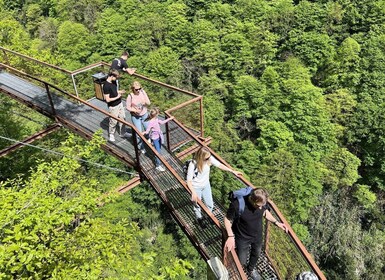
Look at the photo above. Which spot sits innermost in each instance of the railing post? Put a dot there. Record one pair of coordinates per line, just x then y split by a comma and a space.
201, 116
168, 136
74, 83
50, 99
6, 56
267, 235
135, 141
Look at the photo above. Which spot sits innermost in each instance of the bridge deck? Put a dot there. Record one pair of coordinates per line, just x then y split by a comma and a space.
85, 121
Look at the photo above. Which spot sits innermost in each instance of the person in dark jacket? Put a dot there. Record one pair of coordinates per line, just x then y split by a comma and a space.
246, 230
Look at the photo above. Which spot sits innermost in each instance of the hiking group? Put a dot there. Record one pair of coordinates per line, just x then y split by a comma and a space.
248, 206
137, 103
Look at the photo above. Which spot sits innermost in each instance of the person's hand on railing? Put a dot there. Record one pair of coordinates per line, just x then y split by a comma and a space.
237, 173
230, 243
282, 226
194, 197
131, 70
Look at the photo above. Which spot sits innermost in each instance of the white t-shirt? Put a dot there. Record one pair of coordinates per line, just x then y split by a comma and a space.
203, 178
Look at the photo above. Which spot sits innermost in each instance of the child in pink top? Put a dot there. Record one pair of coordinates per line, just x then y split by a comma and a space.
155, 133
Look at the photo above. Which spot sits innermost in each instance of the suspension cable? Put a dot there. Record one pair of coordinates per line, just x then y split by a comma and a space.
64, 155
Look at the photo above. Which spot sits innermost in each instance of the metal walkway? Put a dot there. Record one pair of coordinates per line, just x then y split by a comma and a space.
85, 118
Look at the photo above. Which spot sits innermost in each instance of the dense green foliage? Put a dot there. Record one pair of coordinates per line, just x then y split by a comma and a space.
294, 97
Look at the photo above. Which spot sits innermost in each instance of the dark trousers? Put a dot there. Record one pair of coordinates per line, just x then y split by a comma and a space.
243, 247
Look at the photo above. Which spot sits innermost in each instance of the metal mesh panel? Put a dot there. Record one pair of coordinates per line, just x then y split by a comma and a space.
39, 70
285, 255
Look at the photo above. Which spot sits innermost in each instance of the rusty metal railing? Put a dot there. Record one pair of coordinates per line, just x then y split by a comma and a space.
186, 101
271, 249
46, 105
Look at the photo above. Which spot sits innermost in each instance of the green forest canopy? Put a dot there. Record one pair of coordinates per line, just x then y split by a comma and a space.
294, 97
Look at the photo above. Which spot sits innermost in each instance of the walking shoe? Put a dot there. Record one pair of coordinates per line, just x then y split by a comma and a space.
143, 151
112, 138
160, 168
127, 135
254, 275
202, 223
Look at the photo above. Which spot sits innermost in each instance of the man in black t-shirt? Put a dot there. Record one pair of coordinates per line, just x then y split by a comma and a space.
113, 97
246, 229
120, 64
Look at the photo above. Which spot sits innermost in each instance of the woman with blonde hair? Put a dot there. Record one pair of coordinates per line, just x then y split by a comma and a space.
198, 180
137, 103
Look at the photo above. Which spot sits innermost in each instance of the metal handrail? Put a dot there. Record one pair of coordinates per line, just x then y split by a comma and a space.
133, 128
297, 242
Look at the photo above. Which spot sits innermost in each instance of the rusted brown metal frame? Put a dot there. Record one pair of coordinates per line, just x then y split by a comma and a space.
181, 105
185, 153
168, 136
298, 243
130, 185
165, 85
190, 234
157, 82
101, 63
202, 117
291, 233
86, 68
220, 159
267, 237
35, 60
31, 105
30, 139
133, 129
5, 55
125, 158
234, 257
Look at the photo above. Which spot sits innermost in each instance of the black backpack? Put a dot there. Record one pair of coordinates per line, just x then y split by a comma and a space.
185, 168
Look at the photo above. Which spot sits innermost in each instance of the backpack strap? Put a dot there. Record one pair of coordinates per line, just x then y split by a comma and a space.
239, 195
195, 168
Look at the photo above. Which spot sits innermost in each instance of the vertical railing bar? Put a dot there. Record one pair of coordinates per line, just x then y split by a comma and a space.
50, 99
267, 235
135, 141
74, 83
168, 136
6, 56
202, 116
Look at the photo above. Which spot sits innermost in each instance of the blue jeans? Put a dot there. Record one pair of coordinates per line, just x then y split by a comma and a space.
243, 249
158, 146
204, 192
139, 123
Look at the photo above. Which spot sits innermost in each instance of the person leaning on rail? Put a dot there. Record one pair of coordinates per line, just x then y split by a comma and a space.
113, 97
198, 180
120, 64
245, 229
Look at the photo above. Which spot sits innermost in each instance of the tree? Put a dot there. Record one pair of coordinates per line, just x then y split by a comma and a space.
338, 242
48, 229
12, 35
74, 43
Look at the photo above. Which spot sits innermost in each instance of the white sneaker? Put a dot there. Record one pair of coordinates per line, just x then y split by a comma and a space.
112, 138
160, 168
143, 151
